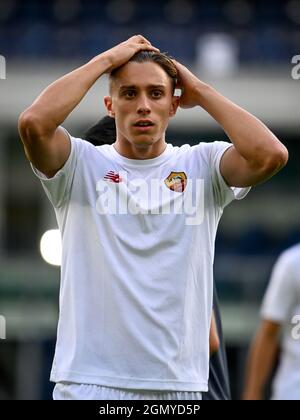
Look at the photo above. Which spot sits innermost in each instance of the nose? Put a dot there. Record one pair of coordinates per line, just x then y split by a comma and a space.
143, 106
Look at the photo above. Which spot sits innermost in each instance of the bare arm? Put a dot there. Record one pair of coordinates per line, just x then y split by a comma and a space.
261, 360
214, 341
46, 144
256, 154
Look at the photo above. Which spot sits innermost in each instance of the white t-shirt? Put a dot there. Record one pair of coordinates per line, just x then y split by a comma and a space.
136, 286
282, 304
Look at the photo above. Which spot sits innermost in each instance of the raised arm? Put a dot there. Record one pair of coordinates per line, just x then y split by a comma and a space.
261, 360
46, 144
256, 154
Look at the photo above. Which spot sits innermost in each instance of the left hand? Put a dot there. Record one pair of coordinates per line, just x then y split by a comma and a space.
189, 85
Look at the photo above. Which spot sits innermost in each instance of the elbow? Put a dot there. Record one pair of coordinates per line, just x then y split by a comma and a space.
276, 160
281, 156
29, 126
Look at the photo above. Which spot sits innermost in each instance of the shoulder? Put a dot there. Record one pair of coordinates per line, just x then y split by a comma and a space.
83, 147
188, 149
211, 150
81, 143
290, 257
287, 266
202, 155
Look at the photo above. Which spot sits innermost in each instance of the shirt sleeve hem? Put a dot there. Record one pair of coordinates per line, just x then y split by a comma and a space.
40, 175
237, 192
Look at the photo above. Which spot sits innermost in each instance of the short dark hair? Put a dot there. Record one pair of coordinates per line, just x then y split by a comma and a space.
162, 59
103, 132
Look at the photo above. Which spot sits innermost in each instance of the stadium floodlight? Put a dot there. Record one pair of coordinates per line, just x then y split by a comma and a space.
50, 247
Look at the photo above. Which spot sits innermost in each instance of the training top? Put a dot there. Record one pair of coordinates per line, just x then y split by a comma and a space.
137, 266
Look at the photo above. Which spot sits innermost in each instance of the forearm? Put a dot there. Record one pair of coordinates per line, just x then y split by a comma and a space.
251, 138
59, 99
260, 363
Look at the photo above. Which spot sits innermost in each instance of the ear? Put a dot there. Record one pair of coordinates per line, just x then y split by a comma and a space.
175, 105
109, 106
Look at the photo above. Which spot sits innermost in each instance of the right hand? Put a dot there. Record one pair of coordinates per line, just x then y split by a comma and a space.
122, 53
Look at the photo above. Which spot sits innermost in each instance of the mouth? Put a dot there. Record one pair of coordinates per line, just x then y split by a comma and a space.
143, 125
143, 129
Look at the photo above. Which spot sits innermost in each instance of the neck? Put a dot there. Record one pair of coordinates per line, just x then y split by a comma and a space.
141, 151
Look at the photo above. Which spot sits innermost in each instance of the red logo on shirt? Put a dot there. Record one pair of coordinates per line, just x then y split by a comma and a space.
113, 177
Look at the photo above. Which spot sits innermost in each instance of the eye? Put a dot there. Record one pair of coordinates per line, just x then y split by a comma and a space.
129, 94
156, 94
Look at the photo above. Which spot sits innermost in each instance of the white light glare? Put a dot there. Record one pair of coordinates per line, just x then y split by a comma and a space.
51, 248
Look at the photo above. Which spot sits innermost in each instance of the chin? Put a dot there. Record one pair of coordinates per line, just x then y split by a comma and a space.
144, 141
143, 144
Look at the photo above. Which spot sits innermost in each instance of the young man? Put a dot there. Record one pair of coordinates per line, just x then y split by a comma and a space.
104, 132
137, 270
280, 313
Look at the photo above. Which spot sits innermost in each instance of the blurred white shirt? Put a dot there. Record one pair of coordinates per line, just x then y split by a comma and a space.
282, 304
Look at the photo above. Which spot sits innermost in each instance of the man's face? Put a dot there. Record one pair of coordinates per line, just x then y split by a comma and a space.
142, 103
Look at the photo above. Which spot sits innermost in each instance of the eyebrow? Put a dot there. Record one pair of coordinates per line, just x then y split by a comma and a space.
124, 87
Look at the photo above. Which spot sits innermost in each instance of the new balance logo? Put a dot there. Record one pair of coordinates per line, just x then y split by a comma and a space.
113, 177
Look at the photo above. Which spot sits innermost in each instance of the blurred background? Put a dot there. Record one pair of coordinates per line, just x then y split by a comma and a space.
244, 49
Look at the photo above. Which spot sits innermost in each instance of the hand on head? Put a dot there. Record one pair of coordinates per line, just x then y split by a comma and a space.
188, 83
122, 53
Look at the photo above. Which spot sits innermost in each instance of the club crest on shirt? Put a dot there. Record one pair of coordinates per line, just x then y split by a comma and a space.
176, 181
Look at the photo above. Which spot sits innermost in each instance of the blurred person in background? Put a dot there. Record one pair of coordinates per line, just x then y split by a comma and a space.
137, 288
278, 334
104, 132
